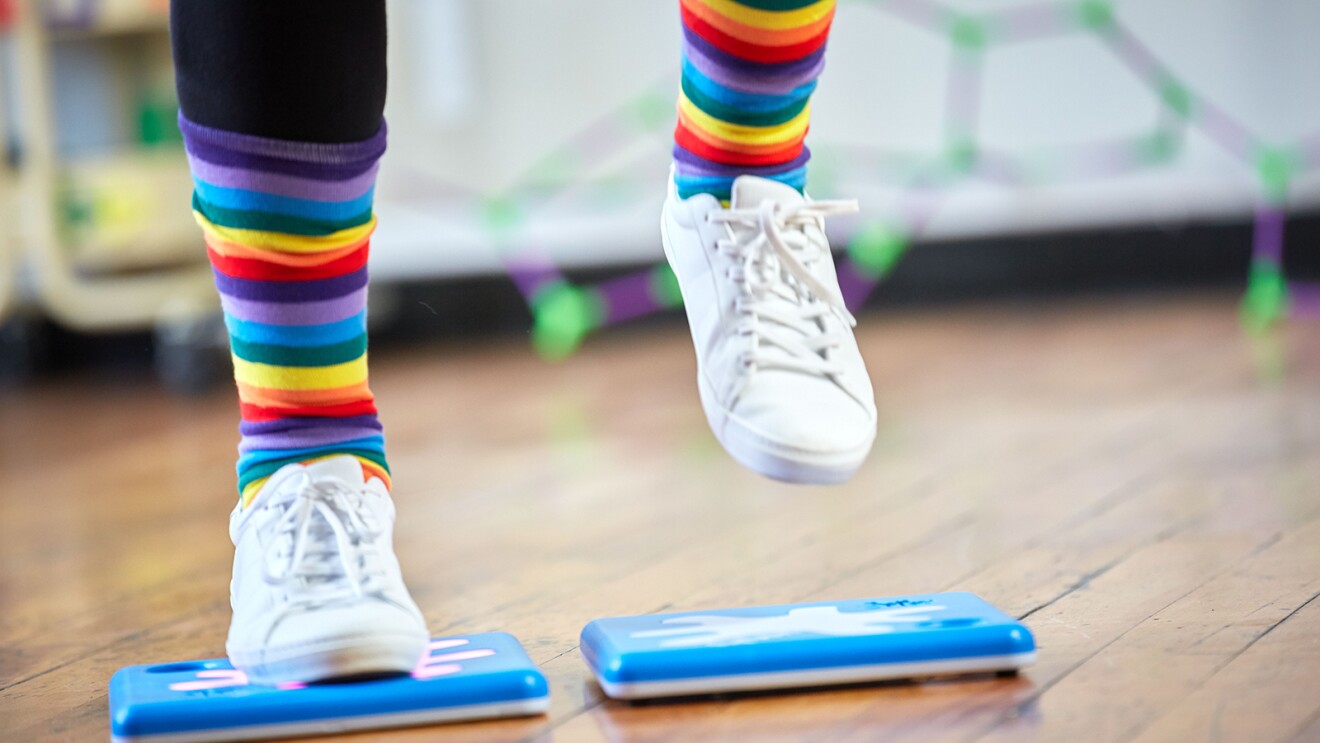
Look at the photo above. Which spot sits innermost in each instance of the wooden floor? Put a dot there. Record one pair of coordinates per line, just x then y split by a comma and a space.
1136, 480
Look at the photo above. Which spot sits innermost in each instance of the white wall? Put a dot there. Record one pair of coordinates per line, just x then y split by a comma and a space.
482, 91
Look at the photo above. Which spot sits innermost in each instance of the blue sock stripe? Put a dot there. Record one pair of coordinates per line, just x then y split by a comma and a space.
255, 201
720, 186
298, 336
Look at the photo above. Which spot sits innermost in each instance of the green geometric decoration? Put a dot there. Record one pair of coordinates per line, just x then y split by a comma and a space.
1177, 97
1160, 147
968, 34
651, 111
961, 155
1275, 169
501, 214
1097, 15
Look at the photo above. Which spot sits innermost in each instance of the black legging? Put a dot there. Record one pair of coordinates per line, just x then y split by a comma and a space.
304, 70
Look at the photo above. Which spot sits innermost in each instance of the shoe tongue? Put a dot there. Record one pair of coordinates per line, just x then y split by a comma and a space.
345, 468
750, 191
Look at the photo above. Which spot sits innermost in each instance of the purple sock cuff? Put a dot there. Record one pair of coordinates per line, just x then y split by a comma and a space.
688, 163
197, 137
253, 428
304, 438
757, 81
753, 69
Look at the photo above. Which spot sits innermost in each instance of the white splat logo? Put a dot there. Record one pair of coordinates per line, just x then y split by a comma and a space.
711, 630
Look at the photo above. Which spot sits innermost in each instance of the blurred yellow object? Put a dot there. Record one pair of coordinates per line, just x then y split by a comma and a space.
78, 17
128, 210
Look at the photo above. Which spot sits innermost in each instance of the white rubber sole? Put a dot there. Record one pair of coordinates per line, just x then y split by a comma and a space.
520, 708
777, 461
814, 677
331, 658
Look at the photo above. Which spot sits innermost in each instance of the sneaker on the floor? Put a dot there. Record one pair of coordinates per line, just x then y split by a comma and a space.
317, 591
781, 380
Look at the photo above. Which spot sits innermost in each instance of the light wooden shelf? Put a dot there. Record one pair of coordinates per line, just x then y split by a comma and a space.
127, 211
108, 240
107, 18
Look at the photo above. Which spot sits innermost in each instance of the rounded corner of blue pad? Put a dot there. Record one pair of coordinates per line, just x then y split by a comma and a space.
1021, 640
535, 684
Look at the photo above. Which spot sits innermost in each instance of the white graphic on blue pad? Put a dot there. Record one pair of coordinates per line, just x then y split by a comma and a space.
806, 620
770, 647
460, 678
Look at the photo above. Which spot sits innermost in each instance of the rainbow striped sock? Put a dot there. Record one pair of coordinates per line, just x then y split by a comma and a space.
749, 69
288, 228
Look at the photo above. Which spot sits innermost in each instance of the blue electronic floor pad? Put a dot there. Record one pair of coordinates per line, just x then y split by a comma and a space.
462, 678
794, 645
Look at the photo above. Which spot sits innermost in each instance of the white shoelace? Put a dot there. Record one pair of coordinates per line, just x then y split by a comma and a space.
333, 549
783, 303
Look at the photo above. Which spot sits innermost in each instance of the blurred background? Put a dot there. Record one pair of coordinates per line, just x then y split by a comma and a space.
1000, 149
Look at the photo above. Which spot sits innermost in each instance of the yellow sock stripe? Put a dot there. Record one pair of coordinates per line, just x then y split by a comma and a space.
771, 19
251, 490
271, 377
794, 128
728, 146
284, 242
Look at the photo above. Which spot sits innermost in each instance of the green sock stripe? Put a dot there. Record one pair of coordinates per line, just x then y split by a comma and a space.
301, 357
283, 223
777, 5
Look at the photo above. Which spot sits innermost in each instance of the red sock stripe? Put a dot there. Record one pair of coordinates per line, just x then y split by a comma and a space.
250, 268
259, 414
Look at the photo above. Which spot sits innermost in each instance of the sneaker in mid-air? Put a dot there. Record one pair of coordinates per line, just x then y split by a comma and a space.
317, 592
780, 376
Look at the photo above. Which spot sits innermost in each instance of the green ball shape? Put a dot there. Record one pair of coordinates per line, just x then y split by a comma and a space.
664, 287
1266, 299
876, 248
564, 314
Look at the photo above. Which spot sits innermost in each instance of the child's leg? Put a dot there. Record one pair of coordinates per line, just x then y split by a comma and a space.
281, 111
749, 68
282, 116
780, 376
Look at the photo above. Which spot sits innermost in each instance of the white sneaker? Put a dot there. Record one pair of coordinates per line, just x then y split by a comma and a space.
317, 592
781, 380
